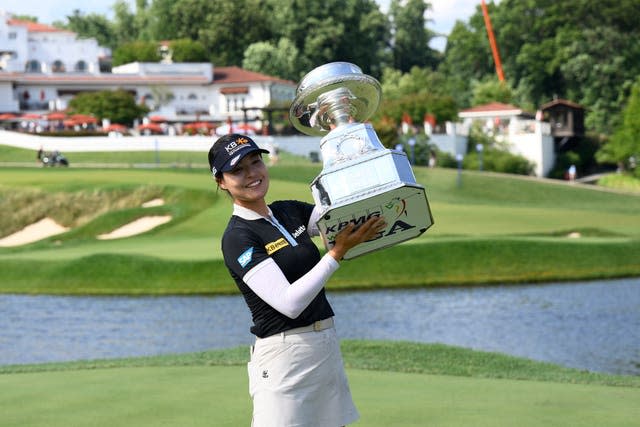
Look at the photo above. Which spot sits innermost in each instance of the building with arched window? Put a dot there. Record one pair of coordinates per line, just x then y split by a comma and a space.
81, 66
33, 66
58, 66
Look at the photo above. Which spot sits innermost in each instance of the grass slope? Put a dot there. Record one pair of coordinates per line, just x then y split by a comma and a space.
392, 383
448, 262
491, 229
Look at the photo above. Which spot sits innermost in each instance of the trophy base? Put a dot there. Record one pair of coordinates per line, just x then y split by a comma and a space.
405, 209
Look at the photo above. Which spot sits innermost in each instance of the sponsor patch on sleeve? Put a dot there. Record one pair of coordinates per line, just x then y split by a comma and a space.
245, 257
276, 246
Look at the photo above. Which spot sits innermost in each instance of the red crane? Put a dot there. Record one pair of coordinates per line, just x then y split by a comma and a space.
492, 41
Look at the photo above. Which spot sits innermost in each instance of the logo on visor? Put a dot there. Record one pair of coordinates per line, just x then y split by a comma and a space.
234, 161
236, 145
245, 257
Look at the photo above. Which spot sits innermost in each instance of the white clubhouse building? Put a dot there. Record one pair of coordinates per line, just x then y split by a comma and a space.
43, 67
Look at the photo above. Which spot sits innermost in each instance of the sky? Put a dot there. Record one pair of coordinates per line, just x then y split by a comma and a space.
443, 14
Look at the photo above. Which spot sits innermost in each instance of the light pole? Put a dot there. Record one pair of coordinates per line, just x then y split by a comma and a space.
459, 158
412, 143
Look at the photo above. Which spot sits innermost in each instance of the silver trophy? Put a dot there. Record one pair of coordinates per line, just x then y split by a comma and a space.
360, 178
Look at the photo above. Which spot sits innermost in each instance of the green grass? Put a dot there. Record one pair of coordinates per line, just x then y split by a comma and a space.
117, 158
392, 383
626, 182
188, 159
442, 262
491, 229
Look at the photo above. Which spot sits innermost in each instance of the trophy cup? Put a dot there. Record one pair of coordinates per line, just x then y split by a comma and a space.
360, 178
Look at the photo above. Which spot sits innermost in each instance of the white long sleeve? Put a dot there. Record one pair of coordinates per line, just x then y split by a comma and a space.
269, 282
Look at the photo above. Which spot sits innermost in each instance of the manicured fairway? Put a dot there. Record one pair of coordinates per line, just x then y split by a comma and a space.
491, 229
217, 396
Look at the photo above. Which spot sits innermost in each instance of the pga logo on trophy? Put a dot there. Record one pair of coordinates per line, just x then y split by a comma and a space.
360, 178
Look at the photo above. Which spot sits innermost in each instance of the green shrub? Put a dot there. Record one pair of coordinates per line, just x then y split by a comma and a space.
496, 160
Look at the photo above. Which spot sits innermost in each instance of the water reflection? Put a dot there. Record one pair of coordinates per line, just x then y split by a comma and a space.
594, 326
42, 328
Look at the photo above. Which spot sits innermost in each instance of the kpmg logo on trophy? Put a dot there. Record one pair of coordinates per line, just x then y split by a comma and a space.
360, 178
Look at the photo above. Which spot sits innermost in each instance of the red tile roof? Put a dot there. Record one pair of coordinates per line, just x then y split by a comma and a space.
492, 106
561, 102
227, 75
35, 27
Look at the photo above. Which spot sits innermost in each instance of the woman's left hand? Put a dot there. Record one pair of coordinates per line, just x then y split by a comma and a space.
352, 236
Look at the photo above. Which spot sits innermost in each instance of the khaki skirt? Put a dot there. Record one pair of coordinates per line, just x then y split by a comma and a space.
298, 380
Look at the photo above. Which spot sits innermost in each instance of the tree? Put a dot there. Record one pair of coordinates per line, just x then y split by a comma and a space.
125, 25
161, 20
491, 90
119, 106
332, 30
416, 93
587, 52
396, 84
410, 35
597, 72
142, 19
625, 142
584, 51
137, 51
187, 17
467, 59
186, 50
417, 106
93, 25
280, 60
230, 26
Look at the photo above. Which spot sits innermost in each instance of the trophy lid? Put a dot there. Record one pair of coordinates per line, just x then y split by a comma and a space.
342, 89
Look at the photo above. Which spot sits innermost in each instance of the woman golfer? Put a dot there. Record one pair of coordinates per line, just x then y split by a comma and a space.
296, 373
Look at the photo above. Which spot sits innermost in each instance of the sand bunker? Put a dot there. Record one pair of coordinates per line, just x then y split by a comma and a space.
152, 203
32, 233
138, 226
47, 227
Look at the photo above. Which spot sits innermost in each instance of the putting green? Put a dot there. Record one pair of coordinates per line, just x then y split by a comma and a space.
217, 396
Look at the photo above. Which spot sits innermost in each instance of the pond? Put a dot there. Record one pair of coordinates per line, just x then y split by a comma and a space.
586, 325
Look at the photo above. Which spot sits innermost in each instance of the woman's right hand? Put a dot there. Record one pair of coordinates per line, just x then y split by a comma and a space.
351, 236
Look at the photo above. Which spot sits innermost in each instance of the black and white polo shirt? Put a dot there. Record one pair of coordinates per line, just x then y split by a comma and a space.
251, 238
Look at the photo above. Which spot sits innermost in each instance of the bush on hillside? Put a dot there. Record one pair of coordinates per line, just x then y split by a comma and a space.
495, 160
